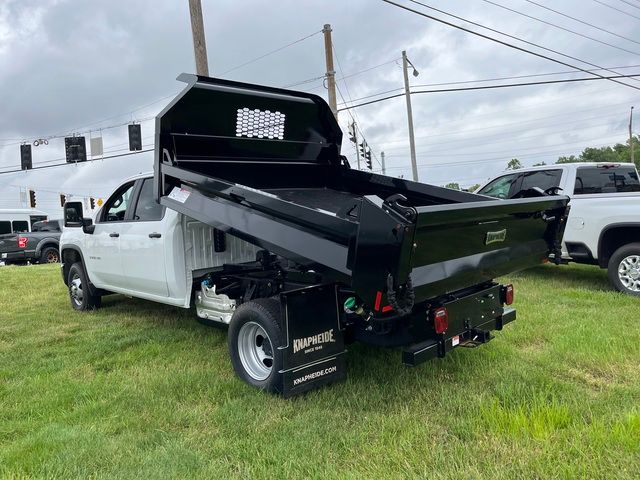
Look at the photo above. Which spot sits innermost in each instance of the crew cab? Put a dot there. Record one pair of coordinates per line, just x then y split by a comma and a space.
603, 227
253, 216
30, 239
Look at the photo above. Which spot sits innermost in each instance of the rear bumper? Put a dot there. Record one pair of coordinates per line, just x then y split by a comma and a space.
21, 255
473, 337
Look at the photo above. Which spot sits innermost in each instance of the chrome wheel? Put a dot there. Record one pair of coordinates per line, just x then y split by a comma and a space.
255, 351
75, 290
629, 272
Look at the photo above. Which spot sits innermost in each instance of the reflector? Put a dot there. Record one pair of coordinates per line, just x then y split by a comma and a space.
441, 320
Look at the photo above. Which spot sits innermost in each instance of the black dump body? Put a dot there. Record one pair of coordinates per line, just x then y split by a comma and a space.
264, 164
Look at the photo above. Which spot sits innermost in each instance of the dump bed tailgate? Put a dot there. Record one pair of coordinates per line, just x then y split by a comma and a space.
458, 245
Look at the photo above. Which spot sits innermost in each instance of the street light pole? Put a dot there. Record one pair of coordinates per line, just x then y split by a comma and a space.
412, 142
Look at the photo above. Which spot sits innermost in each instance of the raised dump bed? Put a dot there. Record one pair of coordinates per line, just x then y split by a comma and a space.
264, 164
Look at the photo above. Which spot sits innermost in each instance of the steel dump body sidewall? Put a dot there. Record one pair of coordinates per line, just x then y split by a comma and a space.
252, 339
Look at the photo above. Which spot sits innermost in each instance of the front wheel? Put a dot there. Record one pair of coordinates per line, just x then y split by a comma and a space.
79, 291
254, 337
624, 269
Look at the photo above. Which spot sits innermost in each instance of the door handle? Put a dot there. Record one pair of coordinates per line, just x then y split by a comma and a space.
155, 235
114, 235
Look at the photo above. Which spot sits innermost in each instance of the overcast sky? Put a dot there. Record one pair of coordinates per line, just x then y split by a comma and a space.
89, 67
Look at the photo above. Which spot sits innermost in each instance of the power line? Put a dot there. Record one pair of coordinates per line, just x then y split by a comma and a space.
506, 44
463, 82
360, 72
502, 132
302, 82
508, 137
488, 160
560, 27
51, 137
617, 9
488, 87
443, 153
515, 108
526, 41
270, 53
630, 4
346, 86
130, 112
581, 21
85, 162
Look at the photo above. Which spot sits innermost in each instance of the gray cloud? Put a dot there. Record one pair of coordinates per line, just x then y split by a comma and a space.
71, 66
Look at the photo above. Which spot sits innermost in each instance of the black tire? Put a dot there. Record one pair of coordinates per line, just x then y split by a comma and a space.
624, 269
79, 292
250, 321
49, 255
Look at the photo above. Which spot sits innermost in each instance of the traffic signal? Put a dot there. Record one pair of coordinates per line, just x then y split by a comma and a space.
75, 149
362, 148
63, 199
92, 202
25, 157
32, 199
365, 152
135, 137
352, 132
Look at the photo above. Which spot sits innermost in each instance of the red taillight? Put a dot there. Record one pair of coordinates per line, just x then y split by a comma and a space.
440, 320
22, 242
508, 294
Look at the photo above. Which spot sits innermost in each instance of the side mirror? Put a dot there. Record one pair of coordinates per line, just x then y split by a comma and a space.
88, 226
73, 214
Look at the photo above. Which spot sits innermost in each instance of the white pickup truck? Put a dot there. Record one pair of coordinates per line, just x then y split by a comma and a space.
603, 227
253, 216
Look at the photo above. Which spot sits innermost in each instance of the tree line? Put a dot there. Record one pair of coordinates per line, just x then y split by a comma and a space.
618, 153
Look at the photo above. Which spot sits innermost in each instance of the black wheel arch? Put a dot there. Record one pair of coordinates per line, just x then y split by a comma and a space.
46, 242
615, 236
70, 255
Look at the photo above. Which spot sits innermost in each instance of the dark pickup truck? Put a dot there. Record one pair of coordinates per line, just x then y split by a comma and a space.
41, 245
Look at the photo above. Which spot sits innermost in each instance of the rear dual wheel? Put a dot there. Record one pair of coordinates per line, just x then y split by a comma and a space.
254, 337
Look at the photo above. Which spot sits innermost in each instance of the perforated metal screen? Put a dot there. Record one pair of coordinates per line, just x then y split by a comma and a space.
260, 123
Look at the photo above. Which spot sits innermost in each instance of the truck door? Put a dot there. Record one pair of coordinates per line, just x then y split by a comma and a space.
141, 244
102, 254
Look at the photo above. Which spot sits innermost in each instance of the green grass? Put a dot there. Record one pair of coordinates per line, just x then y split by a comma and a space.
140, 390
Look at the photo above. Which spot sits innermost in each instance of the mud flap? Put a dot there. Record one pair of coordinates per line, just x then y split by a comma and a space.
314, 352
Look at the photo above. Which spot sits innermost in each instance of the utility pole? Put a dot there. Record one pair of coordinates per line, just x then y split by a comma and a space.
631, 146
331, 74
384, 172
407, 93
199, 44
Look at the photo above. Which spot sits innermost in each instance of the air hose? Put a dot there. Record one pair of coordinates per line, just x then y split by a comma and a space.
403, 305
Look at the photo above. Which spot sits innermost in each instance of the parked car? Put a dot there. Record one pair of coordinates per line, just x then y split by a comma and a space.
256, 218
603, 227
38, 245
